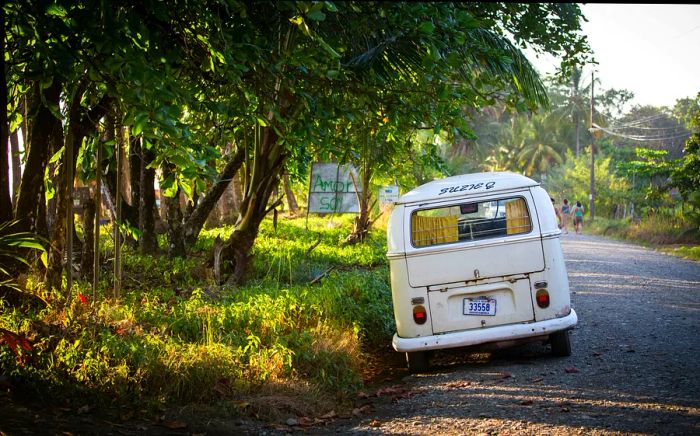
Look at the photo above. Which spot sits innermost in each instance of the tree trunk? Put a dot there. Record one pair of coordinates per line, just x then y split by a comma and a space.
173, 213
130, 213
363, 223
5, 195
263, 176
63, 193
88, 255
135, 156
16, 165
236, 198
199, 215
291, 199
44, 130
147, 208
578, 137
79, 126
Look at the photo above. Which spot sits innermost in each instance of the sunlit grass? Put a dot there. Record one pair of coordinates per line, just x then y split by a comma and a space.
174, 337
671, 234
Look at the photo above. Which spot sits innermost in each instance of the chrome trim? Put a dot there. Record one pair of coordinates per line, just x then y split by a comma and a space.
484, 335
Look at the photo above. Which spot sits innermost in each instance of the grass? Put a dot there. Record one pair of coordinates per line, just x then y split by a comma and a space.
670, 234
277, 346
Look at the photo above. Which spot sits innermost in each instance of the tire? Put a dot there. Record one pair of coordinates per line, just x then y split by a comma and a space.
417, 361
561, 344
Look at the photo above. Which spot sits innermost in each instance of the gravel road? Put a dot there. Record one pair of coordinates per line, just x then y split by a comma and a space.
634, 367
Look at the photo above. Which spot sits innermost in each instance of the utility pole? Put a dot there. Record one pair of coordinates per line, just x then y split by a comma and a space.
591, 195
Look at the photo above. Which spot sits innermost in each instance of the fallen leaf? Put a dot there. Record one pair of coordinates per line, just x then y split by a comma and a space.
362, 395
571, 370
392, 390
537, 379
174, 425
330, 415
305, 422
375, 423
360, 410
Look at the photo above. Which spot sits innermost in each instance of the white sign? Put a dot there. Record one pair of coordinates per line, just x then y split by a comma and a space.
388, 194
332, 190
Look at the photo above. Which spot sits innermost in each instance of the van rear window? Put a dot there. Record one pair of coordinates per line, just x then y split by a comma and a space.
470, 221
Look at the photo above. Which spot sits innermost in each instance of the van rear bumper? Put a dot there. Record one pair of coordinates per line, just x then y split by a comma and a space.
482, 336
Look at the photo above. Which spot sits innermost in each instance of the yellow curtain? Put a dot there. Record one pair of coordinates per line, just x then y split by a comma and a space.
517, 220
428, 230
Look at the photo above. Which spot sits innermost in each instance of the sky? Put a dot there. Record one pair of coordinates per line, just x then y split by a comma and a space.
652, 50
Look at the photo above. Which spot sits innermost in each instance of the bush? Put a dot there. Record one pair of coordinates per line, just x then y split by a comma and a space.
175, 338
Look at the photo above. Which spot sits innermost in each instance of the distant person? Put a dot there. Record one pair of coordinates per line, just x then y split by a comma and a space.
577, 212
565, 212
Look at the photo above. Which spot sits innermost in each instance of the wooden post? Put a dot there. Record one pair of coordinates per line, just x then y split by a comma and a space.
118, 220
69, 218
98, 213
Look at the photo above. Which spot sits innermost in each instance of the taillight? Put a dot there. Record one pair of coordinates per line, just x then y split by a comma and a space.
542, 297
420, 316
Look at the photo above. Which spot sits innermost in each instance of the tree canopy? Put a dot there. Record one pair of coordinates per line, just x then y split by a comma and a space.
201, 92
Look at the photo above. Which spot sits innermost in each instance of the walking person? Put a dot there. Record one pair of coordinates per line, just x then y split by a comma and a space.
565, 212
578, 212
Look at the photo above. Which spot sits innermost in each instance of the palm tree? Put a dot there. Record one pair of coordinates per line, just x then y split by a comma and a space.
483, 66
576, 106
539, 153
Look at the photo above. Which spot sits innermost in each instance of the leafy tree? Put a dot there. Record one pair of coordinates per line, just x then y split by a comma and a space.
258, 79
538, 153
571, 180
574, 105
686, 176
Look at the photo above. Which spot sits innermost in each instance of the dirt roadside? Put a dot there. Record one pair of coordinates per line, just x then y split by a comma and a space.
633, 370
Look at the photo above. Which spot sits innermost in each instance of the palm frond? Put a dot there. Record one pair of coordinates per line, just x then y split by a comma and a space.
388, 58
494, 54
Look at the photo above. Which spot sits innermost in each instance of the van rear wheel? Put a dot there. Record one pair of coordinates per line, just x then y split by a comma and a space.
561, 344
417, 361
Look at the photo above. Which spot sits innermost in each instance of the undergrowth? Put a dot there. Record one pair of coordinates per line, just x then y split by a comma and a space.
671, 234
295, 331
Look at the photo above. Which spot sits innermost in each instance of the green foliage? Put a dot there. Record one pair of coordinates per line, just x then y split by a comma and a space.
173, 337
14, 249
688, 252
572, 181
686, 176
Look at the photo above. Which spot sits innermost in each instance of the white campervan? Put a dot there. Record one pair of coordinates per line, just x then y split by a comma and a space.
476, 259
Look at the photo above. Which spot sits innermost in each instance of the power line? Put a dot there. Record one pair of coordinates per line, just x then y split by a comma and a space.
639, 138
641, 121
647, 128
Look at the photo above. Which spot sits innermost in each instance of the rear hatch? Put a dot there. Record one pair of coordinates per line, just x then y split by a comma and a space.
479, 306
474, 282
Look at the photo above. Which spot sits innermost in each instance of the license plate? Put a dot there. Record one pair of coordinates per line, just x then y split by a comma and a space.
479, 306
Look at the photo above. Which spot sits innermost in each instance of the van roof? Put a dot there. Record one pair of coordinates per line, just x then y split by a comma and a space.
457, 186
